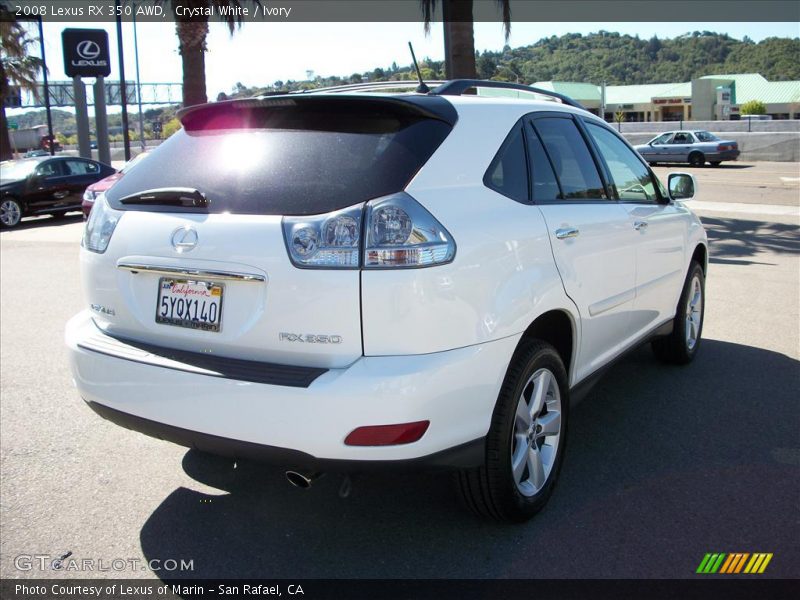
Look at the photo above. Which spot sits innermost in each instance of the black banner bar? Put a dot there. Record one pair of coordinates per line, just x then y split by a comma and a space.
276, 11
702, 588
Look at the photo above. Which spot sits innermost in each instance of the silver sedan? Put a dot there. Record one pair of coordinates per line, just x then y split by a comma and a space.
695, 147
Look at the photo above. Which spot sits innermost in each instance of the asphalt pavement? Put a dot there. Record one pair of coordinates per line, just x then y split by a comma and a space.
663, 464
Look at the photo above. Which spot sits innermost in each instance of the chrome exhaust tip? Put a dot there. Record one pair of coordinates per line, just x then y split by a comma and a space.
301, 480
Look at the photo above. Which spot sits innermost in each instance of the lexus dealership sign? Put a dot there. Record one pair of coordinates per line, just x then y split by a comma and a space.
86, 52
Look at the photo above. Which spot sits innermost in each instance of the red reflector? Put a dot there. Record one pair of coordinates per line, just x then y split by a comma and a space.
387, 435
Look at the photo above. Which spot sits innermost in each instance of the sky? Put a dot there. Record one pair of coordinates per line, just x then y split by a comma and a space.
262, 53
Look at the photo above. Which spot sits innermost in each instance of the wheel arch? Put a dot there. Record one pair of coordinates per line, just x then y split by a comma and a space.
696, 153
700, 255
558, 328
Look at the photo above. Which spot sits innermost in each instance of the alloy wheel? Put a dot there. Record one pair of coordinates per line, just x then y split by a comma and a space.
694, 313
10, 213
536, 431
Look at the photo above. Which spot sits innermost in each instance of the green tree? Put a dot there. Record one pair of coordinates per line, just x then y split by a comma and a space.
170, 127
459, 38
16, 68
754, 107
192, 33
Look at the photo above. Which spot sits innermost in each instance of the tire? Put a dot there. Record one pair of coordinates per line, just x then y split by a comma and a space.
696, 159
536, 382
10, 212
680, 347
716, 163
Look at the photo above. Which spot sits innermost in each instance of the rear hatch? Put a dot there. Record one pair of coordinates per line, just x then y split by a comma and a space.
198, 259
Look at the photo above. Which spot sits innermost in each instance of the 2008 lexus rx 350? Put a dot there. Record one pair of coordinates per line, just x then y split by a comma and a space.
346, 280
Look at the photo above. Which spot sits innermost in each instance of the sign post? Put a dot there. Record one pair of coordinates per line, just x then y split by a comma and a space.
86, 55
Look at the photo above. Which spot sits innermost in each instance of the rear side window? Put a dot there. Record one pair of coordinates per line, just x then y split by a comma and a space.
289, 159
81, 167
508, 173
571, 160
51, 168
631, 178
545, 185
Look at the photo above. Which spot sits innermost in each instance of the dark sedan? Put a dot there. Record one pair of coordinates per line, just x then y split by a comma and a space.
45, 185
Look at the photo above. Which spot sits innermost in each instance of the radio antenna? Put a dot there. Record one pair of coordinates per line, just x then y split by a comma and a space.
421, 88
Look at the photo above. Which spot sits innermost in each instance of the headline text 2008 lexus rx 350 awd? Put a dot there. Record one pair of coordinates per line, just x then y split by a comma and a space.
339, 281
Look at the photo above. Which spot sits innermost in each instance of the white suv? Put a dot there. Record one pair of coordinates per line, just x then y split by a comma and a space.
339, 281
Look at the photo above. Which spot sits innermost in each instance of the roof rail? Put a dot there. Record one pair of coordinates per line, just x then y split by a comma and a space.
365, 87
457, 87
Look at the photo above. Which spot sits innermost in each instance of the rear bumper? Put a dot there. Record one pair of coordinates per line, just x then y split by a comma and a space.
720, 156
303, 426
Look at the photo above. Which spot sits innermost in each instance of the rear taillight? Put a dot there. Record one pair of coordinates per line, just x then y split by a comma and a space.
398, 233
325, 241
101, 224
401, 233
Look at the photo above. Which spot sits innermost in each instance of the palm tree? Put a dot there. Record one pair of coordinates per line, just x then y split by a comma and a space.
16, 68
192, 33
459, 41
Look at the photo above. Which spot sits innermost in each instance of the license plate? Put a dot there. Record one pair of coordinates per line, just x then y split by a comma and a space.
189, 303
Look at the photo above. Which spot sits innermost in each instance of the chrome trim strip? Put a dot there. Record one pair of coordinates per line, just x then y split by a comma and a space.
186, 272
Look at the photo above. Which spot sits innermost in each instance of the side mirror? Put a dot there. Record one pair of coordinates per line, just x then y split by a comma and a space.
681, 186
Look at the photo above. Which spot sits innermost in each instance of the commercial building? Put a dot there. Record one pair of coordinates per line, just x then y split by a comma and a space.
709, 98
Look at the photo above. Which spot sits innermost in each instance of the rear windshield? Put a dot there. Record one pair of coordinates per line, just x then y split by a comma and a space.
288, 160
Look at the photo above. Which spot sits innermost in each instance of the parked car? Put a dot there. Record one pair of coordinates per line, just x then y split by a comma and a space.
355, 281
695, 147
101, 186
35, 153
45, 185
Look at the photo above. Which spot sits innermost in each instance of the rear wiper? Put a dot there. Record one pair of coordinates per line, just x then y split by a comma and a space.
187, 197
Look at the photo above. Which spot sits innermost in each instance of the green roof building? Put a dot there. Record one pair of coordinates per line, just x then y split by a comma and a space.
713, 97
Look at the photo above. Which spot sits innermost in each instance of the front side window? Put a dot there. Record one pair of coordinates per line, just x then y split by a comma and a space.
571, 159
662, 139
629, 175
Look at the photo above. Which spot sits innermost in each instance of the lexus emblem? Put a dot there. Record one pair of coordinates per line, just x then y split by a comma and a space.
184, 239
87, 49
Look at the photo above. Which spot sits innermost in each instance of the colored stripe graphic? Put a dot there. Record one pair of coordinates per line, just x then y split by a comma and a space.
728, 564
741, 562
717, 564
764, 564
703, 563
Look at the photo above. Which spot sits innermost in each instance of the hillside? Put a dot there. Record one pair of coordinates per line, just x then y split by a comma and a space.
603, 56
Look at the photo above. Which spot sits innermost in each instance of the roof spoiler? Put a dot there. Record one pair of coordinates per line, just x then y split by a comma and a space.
420, 106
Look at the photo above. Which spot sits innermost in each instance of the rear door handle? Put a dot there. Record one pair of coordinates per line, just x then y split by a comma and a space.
567, 232
639, 225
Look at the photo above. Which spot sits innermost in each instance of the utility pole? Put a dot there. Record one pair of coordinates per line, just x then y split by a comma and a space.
123, 91
46, 91
138, 82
